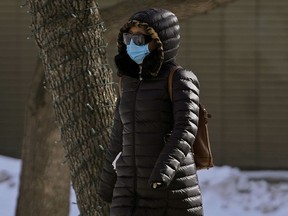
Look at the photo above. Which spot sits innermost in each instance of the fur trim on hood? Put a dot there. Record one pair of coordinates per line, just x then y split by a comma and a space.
163, 27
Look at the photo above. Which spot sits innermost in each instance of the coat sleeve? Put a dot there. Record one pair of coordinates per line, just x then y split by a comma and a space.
185, 100
108, 176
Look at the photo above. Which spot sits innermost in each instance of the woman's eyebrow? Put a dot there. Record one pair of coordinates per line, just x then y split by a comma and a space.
136, 33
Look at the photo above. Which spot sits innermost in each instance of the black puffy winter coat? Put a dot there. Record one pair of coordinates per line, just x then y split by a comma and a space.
153, 133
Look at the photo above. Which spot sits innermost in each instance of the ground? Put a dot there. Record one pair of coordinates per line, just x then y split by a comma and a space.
227, 191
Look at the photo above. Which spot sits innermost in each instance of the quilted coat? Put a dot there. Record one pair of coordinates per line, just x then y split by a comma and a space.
153, 133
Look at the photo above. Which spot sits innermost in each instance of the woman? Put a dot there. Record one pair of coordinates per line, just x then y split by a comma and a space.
151, 139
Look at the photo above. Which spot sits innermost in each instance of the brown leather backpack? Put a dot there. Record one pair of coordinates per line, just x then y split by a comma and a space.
201, 146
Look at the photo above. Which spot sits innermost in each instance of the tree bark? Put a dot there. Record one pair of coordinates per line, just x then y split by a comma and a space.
69, 35
45, 185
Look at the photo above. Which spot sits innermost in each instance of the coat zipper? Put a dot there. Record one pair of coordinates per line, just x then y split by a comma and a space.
140, 72
134, 152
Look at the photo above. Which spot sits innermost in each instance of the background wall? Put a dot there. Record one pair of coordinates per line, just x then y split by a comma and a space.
17, 62
241, 58
239, 54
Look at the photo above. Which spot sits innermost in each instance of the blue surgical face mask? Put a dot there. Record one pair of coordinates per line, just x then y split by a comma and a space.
137, 53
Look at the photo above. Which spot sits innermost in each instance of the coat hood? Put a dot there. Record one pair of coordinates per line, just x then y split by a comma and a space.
163, 27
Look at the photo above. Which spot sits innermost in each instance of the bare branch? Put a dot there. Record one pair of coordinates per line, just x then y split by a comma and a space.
116, 15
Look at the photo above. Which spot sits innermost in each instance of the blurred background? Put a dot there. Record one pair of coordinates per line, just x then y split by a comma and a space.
239, 53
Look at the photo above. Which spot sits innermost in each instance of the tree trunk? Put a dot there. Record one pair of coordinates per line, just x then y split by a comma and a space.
69, 35
45, 185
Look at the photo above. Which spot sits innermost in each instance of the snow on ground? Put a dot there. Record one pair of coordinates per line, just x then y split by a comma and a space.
226, 191
231, 192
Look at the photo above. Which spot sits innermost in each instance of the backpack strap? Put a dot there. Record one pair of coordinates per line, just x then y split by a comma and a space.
170, 79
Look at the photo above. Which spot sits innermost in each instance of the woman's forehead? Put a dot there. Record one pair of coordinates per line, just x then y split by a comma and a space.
137, 30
